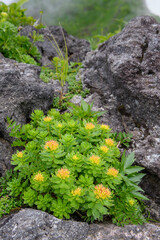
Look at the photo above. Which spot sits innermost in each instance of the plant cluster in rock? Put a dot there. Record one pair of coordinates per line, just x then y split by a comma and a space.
12, 44
70, 164
7, 203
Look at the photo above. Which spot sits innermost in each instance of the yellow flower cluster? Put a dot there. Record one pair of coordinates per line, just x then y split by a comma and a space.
63, 173
131, 202
95, 159
109, 142
89, 126
20, 154
104, 149
112, 172
4, 14
104, 127
76, 192
101, 192
47, 119
52, 145
59, 125
39, 177
75, 157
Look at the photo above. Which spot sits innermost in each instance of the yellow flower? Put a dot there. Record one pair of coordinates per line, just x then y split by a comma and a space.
104, 149
75, 157
52, 145
20, 154
89, 126
131, 202
95, 159
76, 192
39, 177
47, 119
101, 192
63, 173
109, 142
104, 127
59, 125
4, 14
112, 172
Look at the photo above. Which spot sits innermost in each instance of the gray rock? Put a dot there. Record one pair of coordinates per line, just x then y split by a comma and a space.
77, 48
6, 152
32, 224
112, 232
22, 91
110, 116
125, 72
76, 100
147, 150
93, 98
129, 64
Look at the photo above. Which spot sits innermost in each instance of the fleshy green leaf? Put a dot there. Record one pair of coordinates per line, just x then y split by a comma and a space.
132, 170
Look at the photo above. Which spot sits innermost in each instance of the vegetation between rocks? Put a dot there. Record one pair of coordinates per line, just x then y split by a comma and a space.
69, 163
12, 44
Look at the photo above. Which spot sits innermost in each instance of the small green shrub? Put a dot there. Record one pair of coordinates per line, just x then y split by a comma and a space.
70, 164
96, 40
14, 14
17, 47
12, 44
74, 86
7, 203
46, 74
84, 111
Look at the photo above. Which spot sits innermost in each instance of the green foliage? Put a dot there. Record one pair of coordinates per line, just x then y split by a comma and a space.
60, 64
7, 203
14, 14
12, 44
36, 37
64, 72
127, 211
123, 138
61, 69
71, 163
46, 74
74, 86
84, 111
96, 40
61, 208
17, 47
30, 197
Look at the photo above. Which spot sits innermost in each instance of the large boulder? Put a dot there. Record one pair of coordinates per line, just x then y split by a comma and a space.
55, 39
127, 68
32, 224
22, 91
129, 64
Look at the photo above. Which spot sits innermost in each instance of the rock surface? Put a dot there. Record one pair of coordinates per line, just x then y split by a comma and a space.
6, 152
22, 91
76, 48
32, 224
125, 71
129, 64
